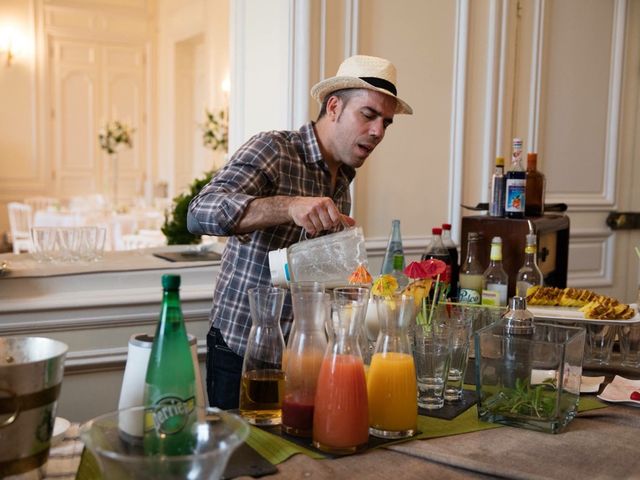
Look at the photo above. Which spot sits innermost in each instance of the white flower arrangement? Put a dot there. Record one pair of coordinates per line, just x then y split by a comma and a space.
115, 135
215, 130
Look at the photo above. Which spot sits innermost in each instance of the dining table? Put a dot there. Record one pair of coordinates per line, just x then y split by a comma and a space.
600, 443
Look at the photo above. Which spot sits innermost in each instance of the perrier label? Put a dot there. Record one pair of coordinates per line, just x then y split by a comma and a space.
169, 394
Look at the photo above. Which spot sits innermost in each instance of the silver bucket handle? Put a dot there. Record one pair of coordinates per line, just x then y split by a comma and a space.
15, 410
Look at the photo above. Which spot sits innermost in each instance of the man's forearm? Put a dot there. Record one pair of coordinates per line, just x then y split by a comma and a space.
265, 212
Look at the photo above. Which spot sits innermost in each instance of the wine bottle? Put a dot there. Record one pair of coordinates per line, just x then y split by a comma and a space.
170, 387
471, 273
452, 248
529, 274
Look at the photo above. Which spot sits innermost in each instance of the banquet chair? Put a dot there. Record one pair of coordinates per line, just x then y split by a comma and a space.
20, 220
40, 203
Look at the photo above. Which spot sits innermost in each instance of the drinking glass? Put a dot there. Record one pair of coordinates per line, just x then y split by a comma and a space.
88, 239
600, 338
460, 320
69, 242
215, 435
101, 238
44, 243
629, 336
432, 353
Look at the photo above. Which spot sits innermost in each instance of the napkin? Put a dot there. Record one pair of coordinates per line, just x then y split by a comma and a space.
620, 390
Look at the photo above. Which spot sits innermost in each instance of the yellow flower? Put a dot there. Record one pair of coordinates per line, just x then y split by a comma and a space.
419, 289
385, 286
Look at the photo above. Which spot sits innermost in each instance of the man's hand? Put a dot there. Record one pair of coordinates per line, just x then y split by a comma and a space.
314, 214
317, 214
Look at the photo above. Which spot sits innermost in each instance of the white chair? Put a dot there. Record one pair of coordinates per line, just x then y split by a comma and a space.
20, 215
41, 203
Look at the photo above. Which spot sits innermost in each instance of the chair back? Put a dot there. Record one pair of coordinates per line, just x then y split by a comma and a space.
20, 221
40, 203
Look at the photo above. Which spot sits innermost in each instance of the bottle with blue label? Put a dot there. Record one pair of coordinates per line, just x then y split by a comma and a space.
515, 184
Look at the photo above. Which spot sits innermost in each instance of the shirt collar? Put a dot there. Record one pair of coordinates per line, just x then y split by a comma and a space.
313, 154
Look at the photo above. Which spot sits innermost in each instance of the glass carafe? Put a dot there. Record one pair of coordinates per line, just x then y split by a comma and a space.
262, 385
302, 361
341, 414
391, 382
360, 295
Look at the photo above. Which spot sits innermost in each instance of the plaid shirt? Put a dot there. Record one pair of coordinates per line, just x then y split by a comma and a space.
271, 163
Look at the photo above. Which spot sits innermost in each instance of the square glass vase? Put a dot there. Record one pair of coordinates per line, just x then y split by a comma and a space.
529, 380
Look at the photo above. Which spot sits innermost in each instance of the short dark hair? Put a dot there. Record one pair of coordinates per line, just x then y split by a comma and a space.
344, 95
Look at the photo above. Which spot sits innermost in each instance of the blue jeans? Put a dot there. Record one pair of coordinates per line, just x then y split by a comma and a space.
224, 370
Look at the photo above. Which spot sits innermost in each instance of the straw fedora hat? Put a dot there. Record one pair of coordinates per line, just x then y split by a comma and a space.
362, 71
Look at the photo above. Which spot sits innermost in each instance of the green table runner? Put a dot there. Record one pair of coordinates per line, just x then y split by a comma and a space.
277, 449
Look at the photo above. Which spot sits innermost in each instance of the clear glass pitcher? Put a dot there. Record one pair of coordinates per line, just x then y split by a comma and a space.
262, 385
302, 361
360, 295
341, 414
391, 382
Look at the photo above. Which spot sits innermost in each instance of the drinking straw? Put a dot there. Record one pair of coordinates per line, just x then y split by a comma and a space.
637, 251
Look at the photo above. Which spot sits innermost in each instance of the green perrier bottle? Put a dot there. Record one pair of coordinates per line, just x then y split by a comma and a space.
170, 387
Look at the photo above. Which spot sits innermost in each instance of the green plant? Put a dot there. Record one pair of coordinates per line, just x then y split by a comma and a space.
175, 222
524, 399
215, 130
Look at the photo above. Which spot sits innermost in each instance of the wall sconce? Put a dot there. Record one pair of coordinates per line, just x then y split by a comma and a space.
10, 42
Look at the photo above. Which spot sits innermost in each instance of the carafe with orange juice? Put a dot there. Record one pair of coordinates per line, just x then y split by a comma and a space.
391, 382
302, 360
341, 414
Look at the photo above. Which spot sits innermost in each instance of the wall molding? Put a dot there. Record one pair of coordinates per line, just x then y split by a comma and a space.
606, 197
602, 240
458, 115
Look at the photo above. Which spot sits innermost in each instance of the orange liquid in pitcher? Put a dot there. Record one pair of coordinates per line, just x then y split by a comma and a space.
392, 389
341, 416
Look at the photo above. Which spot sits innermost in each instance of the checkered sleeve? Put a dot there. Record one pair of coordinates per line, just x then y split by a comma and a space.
250, 173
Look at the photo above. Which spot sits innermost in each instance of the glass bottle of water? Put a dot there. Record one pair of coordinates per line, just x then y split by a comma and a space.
394, 247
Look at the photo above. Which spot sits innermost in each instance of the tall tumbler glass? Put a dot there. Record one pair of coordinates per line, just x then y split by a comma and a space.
460, 320
432, 354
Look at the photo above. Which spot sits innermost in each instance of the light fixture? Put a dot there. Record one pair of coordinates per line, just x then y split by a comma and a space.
12, 42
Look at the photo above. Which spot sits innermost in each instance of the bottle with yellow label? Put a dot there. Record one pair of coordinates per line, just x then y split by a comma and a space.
529, 274
495, 281
170, 387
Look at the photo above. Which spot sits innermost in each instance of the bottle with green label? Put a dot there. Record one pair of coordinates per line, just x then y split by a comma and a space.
495, 280
170, 387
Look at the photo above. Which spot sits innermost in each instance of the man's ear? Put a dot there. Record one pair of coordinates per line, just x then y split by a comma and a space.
334, 107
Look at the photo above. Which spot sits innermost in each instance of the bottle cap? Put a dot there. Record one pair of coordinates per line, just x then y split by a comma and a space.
170, 281
496, 240
532, 161
446, 226
473, 236
436, 231
499, 161
279, 267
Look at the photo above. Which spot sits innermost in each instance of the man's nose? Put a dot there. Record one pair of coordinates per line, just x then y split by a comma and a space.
376, 129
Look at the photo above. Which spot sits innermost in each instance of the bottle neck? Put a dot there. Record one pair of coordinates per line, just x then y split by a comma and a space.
171, 299
530, 253
496, 253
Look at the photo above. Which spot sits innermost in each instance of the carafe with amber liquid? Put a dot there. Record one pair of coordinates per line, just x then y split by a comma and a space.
341, 413
391, 382
262, 384
302, 360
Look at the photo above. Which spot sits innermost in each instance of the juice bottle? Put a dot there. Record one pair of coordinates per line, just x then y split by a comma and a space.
391, 383
341, 413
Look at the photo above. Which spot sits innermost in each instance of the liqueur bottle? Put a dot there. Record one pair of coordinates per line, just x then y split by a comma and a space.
437, 250
170, 387
495, 280
515, 184
394, 247
496, 201
535, 188
529, 274
471, 273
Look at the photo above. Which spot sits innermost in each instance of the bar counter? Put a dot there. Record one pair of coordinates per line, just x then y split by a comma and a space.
598, 444
94, 307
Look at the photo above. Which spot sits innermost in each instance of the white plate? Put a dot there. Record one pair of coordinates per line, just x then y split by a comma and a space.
619, 391
573, 314
60, 427
590, 384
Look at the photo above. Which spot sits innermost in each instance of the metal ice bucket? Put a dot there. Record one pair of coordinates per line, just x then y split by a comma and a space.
31, 370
